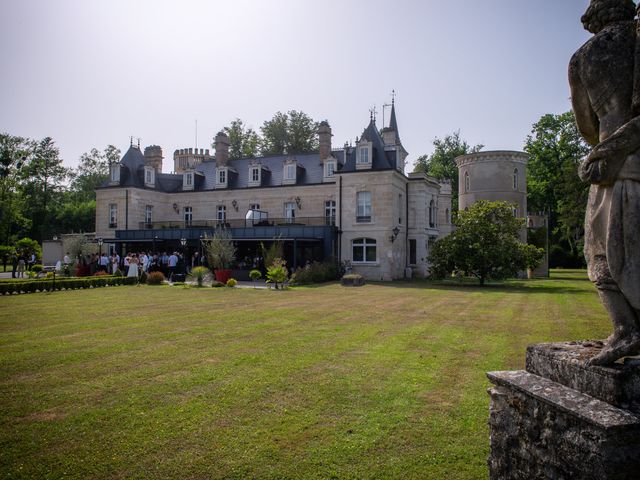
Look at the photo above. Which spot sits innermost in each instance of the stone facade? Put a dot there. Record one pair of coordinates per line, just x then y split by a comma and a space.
561, 419
382, 220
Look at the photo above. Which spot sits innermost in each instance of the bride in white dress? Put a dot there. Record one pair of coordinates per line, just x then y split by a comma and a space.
133, 266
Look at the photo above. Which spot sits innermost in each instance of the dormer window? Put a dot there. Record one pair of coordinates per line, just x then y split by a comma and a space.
188, 182
255, 175
329, 169
114, 173
290, 172
364, 156
149, 177
222, 177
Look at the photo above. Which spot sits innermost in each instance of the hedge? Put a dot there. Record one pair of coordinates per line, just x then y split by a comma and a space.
47, 285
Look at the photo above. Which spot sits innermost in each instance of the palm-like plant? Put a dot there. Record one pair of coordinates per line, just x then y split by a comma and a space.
199, 275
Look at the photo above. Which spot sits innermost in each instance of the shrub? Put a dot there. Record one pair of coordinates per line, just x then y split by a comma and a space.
101, 273
155, 278
199, 275
49, 275
118, 273
255, 275
277, 272
316, 272
232, 282
36, 268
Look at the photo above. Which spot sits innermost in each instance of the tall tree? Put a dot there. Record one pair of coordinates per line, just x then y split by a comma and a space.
441, 163
92, 171
556, 148
292, 132
244, 142
42, 180
13, 154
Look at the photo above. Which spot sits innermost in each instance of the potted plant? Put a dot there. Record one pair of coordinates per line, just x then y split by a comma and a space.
255, 275
220, 253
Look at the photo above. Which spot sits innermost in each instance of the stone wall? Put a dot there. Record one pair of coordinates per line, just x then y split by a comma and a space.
563, 420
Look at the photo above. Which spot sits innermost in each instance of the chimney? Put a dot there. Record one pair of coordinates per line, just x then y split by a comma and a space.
222, 149
324, 138
153, 157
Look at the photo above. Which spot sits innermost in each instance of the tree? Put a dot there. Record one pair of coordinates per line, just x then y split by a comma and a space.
13, 154
556, 148
244, 142
292, 132
42, 180
485, 245
92, 171
441, 163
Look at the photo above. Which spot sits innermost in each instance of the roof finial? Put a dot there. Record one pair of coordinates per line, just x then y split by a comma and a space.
373, 112
393, 96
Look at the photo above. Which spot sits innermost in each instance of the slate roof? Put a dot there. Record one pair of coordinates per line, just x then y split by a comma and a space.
310, 170
381, 159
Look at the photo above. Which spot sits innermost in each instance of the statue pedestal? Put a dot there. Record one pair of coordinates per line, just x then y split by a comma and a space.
562, 420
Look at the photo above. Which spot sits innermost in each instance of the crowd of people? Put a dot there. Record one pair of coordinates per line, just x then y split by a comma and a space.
133, 264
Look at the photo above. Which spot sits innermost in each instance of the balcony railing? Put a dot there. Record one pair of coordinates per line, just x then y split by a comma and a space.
239, 223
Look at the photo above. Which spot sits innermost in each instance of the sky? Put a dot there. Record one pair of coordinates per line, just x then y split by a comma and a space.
89, 73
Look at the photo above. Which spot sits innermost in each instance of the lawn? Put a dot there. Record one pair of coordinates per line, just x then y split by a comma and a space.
384, 381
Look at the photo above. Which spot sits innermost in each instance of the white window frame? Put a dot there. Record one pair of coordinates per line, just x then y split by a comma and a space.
255, 175
289, 211
254, 206
221, 213
115, 173
290, 171
222, 177
188, 216
364, 209
363, 155
148, 214
113, 215
330, 212
366, 246
329, 169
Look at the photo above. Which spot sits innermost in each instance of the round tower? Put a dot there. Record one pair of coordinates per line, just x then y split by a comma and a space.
153, 157
494, 176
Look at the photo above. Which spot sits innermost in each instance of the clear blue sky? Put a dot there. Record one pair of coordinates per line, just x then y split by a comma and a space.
90, 73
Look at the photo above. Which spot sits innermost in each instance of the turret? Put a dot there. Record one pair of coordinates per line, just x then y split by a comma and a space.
153, 157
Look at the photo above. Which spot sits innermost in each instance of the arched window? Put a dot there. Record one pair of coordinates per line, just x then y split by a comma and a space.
467, 182
515, 179
364, 250
432, 214
447, 219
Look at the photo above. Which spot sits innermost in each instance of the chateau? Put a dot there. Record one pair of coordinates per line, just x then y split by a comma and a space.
353, 203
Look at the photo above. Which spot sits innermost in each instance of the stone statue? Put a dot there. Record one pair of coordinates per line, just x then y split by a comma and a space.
604, 75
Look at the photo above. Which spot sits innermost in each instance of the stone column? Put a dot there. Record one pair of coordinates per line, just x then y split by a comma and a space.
562, 420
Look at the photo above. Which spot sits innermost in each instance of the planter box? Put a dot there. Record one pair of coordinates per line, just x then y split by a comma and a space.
223, 275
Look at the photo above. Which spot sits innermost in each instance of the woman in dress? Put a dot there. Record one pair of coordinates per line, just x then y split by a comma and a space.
133, 266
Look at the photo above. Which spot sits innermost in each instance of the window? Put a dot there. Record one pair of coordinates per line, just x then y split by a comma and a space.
467, 182
364, 250
290, 211
188, 216
113, 215
148, 214
189, 179
515, 211
149, 176
330, 212
330, 168
363, 155
363, 202
222, 176
400, 209
290, 171
115, 172
515, 179
221, 213
255, 175
412, 251
254, 206
447, 217
432, 213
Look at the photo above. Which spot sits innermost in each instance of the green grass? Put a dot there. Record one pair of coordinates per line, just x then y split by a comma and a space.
383, 381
